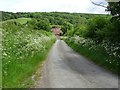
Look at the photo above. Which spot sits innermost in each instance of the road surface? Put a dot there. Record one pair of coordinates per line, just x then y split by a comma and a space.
66, 69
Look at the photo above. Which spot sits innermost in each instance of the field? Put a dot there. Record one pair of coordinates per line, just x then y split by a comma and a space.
23, 20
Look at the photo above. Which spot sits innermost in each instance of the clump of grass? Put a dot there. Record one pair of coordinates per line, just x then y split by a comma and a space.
23, 49
98, 53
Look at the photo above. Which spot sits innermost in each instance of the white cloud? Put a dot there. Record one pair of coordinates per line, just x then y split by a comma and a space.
81, 6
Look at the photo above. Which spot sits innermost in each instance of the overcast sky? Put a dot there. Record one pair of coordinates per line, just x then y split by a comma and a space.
79, 6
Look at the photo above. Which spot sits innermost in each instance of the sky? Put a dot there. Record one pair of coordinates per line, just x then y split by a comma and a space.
72, 6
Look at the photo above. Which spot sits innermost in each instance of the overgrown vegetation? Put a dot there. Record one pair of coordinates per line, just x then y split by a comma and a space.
101, 39
70, 23
23, 49
104, 54
27, 39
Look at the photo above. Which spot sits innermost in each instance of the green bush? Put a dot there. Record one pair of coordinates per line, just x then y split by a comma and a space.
95, 28
39, 24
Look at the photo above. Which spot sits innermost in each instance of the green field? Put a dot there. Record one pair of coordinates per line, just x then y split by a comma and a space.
23, 20
19, 20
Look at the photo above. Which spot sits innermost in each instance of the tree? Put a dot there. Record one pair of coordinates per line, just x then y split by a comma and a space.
114, 8
95, 28
42, 24
39, 24
100, 4
114, 32
66, 27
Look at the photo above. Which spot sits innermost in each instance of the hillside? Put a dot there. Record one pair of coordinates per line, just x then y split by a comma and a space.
27, 38
23, 50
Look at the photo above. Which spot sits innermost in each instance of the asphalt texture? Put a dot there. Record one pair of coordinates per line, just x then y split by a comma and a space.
65, 68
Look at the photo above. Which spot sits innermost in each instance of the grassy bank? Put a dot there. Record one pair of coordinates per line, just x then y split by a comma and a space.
96, 53
23, 50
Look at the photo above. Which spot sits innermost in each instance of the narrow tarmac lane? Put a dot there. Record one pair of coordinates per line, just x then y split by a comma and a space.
66, 69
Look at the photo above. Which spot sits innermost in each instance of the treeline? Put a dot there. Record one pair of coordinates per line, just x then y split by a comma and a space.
98, 27
70, 22
102, 30
65, 15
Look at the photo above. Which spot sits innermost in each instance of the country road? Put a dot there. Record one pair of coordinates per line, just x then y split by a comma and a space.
66, 69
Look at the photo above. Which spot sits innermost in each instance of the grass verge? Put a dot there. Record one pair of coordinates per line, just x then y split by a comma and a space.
98, 56
23, 49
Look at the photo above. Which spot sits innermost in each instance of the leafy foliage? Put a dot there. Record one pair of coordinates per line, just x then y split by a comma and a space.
23, 49
114, 8
100, 33
39, 24
95, 28
104, 54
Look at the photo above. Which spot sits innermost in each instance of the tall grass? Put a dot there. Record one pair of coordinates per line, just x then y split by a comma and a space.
23, 50
100, 54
